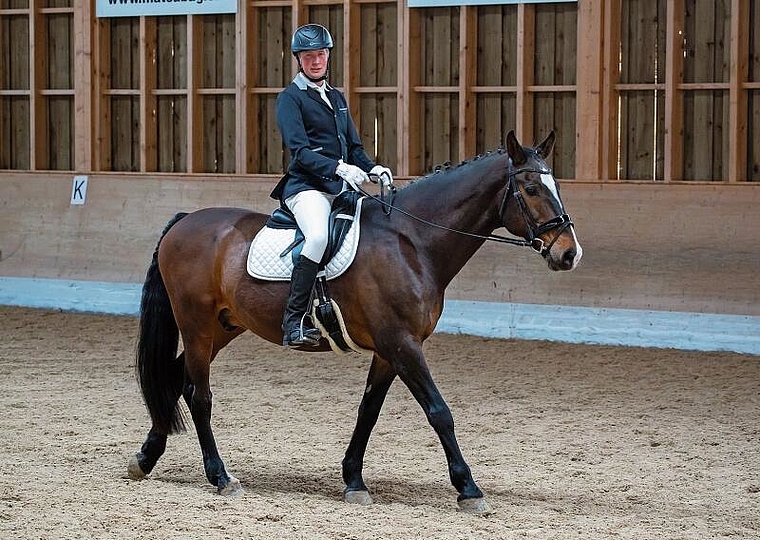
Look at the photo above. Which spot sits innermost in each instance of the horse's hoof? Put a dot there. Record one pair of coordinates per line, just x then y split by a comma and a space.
233, 489
477, 507
357, 497
134, 470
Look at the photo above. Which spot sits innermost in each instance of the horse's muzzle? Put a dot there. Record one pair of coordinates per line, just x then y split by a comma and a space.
567, 259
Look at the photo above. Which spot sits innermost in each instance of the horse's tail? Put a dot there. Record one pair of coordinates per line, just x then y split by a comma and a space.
160, 373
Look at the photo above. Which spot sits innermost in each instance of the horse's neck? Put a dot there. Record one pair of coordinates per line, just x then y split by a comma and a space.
461, 200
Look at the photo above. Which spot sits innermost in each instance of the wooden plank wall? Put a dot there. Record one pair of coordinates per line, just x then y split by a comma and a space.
555, 66
681, 261
124, 108
706, 63
217, 91
496, 67
439, 84
426, 85
272, 61
641, 154
14, 76
378, 80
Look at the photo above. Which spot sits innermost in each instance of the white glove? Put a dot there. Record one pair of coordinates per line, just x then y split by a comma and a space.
383, 174
352, 174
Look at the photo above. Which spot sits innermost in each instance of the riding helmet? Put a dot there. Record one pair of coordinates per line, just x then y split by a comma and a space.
311, 37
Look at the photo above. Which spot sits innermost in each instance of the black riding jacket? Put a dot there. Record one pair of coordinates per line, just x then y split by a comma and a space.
317, 137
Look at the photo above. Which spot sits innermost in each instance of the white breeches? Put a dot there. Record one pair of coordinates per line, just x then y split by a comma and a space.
312, 211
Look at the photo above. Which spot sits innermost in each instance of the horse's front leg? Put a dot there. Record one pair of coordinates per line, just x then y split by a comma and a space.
379, 380
412, 369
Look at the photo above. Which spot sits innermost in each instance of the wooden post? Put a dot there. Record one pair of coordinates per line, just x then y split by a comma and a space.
409, 147
243, 135
468, 64
737, 137
610, 95
526, 28
298, 18
195, 134
148, 146
588, 120
83, 141
38, 152
351, 57
101, 77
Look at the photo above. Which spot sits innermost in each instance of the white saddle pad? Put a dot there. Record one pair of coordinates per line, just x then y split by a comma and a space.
264, 261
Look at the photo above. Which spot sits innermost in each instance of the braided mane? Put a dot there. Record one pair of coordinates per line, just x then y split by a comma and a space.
448, 166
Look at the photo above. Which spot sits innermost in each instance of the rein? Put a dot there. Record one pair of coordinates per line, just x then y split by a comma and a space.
535, 229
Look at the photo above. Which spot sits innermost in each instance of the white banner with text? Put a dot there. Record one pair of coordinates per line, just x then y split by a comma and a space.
136, 8
449, 3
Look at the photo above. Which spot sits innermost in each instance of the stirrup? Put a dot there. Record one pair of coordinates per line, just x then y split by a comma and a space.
302, 336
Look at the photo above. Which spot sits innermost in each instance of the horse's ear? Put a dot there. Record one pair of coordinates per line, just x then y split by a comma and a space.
515, 150
546, 147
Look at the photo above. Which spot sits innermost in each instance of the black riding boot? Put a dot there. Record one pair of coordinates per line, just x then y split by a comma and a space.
297, 332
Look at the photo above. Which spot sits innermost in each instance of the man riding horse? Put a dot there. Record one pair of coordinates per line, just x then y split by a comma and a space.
326, 158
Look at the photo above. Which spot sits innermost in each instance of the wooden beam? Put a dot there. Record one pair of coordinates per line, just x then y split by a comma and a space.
38, 153
148, 146
588, 111
673, 167
101, 96
409, 142
298, 18
468, 67
195, 135
739, 69
610, 91
84, 12
244, 143
526, 29
352, 57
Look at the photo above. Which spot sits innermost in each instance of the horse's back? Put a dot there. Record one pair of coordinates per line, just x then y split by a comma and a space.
206, 241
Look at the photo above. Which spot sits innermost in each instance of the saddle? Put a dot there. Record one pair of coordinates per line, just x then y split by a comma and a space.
278, 245
341, 218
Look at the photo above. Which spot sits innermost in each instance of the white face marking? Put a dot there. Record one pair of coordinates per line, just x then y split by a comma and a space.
578, 249
551, 185
548, 181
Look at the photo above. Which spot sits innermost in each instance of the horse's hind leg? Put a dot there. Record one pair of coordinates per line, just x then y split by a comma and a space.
379, 380
197, 393
155, 443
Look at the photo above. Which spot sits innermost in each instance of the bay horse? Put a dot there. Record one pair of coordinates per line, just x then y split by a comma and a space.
391, 298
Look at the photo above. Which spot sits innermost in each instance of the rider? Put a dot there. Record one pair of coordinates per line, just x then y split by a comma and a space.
326, 156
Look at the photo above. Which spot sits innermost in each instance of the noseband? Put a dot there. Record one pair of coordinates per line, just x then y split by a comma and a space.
535, 229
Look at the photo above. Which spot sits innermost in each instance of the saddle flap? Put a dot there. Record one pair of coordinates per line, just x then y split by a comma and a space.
281, 218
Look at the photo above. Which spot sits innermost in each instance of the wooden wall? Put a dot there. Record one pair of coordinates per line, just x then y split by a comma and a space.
173, 113
675, 247
662, 90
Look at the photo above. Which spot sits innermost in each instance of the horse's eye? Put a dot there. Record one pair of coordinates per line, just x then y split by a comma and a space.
531, 190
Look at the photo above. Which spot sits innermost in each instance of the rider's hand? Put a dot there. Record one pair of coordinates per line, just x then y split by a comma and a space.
383, 175
352, 174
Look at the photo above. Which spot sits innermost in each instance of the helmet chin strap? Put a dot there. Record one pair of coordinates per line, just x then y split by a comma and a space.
318, 79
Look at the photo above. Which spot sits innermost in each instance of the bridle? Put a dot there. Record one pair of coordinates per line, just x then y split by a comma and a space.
535, 229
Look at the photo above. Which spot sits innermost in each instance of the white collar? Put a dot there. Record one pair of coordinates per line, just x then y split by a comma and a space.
303, 83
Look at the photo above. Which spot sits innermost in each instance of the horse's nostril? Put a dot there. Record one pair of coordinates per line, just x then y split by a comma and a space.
569, 256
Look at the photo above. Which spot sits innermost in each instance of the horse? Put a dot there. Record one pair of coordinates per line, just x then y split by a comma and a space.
391, 298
